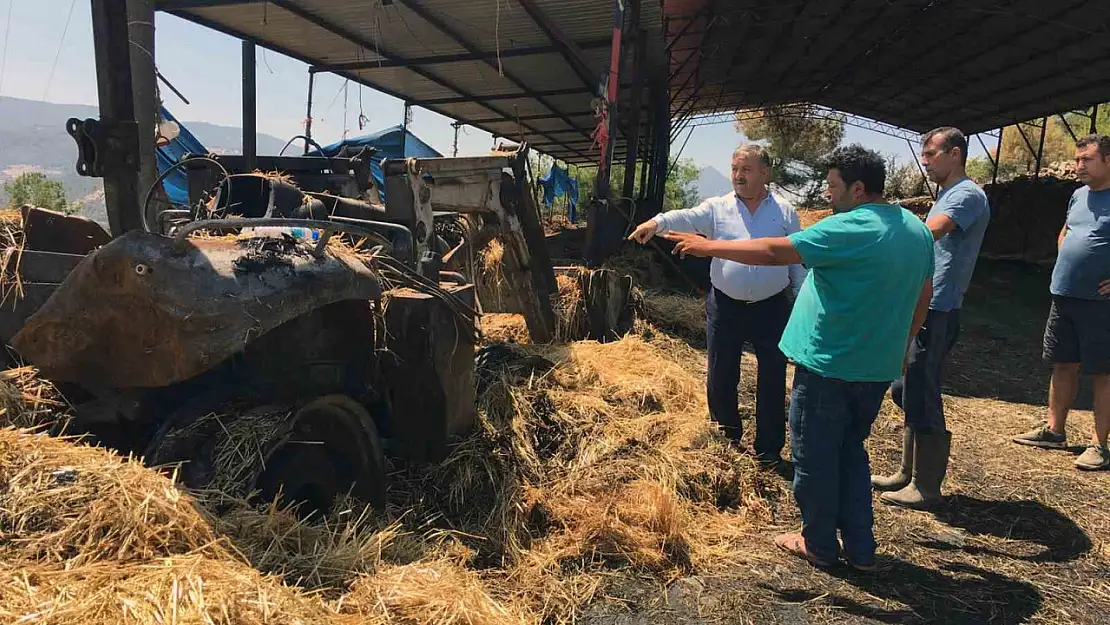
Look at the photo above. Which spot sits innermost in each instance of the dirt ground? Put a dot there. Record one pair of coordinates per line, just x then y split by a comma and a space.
1022, 536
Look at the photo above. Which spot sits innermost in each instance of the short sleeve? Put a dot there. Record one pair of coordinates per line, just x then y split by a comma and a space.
830, 241
963, 206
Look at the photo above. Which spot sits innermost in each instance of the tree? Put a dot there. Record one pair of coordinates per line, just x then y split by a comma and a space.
36, 189
903, 180
798, 137
1022, 156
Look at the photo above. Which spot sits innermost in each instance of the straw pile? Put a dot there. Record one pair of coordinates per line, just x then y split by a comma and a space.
580, 471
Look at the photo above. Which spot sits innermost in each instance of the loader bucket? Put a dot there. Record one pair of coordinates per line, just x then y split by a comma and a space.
148, 311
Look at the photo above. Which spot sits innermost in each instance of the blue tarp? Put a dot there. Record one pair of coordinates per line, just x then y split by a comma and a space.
556, 183
176, 185
388, 144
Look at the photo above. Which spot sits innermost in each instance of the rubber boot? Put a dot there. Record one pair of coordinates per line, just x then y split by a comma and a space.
930, 464
901, 479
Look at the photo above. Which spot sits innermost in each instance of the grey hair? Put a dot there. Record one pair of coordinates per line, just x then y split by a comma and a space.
756, 150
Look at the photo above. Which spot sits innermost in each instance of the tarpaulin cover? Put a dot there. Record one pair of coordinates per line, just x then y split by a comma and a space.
556, 183
388, 144
176, 184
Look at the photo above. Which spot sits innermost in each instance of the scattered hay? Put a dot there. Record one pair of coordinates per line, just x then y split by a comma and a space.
75, 505
683, 316
439, 591
505, 328
28, 401
188, 588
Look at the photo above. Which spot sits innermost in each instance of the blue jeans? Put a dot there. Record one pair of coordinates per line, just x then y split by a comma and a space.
918, 391
829, 420
730, 324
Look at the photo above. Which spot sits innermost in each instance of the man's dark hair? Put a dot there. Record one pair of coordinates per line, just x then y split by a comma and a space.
950, 138
1102, 141
858, 164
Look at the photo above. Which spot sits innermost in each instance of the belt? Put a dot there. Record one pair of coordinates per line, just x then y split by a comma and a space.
753, 301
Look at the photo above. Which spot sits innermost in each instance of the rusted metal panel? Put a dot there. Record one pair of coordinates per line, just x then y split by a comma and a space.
51, 231
149, 311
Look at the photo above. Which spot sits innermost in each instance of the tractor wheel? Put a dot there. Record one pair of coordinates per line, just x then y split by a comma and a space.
311, 455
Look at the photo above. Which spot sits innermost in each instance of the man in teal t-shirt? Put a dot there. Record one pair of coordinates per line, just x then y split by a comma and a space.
868, 290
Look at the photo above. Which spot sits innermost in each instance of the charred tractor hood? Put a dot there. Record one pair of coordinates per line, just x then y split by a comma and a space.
149, 311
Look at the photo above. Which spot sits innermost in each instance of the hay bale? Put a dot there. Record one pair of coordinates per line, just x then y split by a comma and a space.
678, 314
71, 504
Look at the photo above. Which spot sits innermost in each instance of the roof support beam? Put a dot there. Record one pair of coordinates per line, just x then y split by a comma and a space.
535, 95
492, 120
452, 58
179, 5
571, 51
444, 27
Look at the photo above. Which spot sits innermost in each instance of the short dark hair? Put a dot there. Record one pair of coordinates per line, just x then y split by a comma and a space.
1101, 140
951, 138
858, 164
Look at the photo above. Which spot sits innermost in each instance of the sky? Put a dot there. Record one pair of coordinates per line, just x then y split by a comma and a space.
205, 66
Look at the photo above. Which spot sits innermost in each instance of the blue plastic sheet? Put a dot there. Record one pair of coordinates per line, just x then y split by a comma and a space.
558, 182
388, 144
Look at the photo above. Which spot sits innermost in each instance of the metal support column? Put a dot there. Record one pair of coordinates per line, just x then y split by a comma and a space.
144, 87
308, 114
602, 183
405, 126
1040, 149
117, 115
998, 155
1094, 119
636, 113
250, 109
917, 161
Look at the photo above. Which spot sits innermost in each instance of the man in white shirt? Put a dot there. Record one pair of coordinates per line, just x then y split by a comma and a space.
746, 304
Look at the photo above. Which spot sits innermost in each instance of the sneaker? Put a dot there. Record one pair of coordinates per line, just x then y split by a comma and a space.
1042, 436
1094, 459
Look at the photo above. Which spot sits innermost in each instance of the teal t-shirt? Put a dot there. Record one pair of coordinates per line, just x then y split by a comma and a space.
852, 316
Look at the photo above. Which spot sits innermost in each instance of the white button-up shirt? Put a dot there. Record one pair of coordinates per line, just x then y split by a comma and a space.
726, 218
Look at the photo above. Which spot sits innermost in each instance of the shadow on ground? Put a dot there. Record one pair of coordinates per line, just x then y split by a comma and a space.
953, 594
1053, 536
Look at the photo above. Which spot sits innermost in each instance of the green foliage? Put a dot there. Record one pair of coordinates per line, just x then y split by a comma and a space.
798, 138
681, 190
980, 169
36, 189
903, 180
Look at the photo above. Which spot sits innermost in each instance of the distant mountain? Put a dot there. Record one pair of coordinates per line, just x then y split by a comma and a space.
33, 138
712, 183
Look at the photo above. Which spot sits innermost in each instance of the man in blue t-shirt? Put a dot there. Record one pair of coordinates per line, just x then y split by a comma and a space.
958, 221
1077, 334
867, 292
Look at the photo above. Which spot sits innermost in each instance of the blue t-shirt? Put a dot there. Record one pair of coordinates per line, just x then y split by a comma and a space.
956, 252
852, 318
1084, 258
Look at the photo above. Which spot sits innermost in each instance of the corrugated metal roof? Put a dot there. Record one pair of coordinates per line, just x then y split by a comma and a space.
917, 64
533, 89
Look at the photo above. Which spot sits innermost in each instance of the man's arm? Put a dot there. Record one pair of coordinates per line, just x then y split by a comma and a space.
1060, 237
797, 272
698, 219
921, 311
940, 225
765, 251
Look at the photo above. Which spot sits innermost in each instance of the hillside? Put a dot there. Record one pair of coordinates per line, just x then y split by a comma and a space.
34, 138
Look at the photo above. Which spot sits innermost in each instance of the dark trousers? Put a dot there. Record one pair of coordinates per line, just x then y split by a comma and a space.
730, 324
829, 421
917, 393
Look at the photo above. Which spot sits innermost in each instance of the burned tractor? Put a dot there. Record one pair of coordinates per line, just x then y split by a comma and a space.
261, 361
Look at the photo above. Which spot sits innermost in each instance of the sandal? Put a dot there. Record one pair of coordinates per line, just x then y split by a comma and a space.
795, 544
